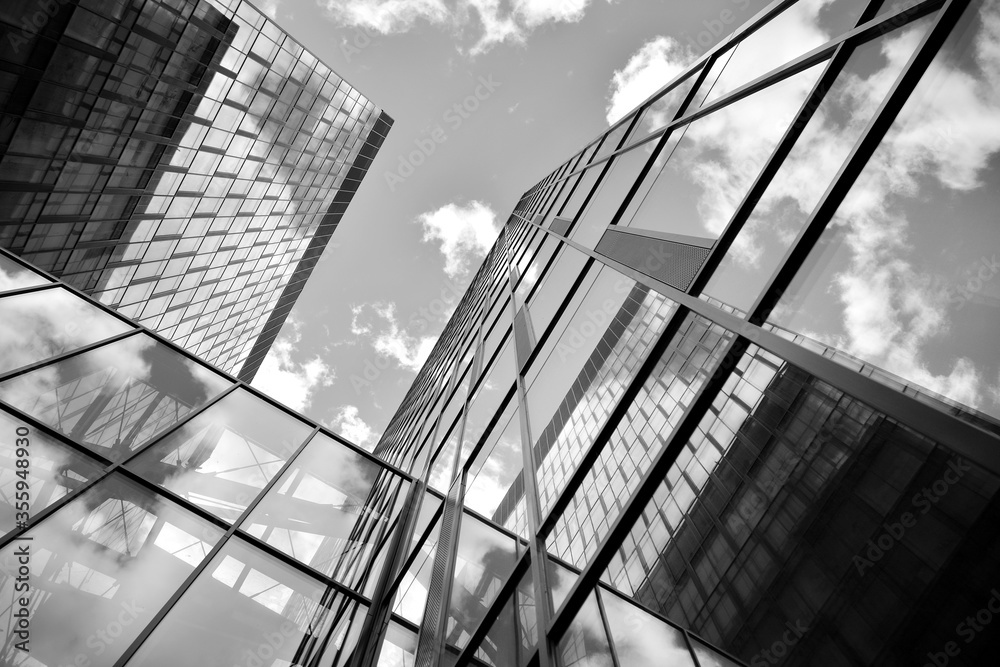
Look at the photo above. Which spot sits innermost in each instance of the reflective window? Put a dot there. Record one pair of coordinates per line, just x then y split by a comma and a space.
663, 109
411, 592
399, 648
101, 569
223, 458
42, 324
716, 161
585, 644
499, 647
498, 465
809, 168
15, 276
907, 299
579, 195
609, 195
486, 559
534, 271
249, 608
331, 509
115, 398
560, 580
545, 301
797, 30
54, 469
497, 386
641, 638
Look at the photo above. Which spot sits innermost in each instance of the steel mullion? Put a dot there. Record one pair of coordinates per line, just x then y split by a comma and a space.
50, 432
223, 540
962, 436
59, 358
649, 482
59, 504
853, 37
602, 612
858, 159
17, 291
505, 595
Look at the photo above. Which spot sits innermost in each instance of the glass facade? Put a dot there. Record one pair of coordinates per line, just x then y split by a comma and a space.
735, 399
721, 394
183, 161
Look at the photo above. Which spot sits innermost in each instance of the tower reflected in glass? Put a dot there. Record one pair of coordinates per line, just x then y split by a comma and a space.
184, 162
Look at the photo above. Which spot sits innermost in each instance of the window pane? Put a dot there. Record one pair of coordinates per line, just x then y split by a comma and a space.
889, 285
580, 194
609, 195
585, 644
797, 30
643, 639
801, 502
586, 369
40, 325
399, 648
716, 161
54, 469
662, 111
499, 463
116, 398
499, 646
101, 568
331, 509
411, 594
250, 608
223, 458
490, 393
527, 618
681, 371
813, 162
486, 559
15, 276
555, 286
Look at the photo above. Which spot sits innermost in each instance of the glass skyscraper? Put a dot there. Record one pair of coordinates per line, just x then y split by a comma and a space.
724, 392
183, 161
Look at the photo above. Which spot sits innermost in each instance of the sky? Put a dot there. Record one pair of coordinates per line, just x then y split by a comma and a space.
487, 98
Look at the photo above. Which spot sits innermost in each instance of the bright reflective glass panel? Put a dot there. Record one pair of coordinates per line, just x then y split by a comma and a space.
101, 568
609, 195
115, 398
809, 168
888, 288
249, 608
331, 509
797, 30
491, 476
585, 644
486, 559
717, 160
54, 469
42, 324
411, 592
545, 301
662, 110
15, 276
223, 458
487, 398
399, 648
643, 639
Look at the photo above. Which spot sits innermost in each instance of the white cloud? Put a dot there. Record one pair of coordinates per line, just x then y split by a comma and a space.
269, 7
289, 381
378, 322
497, 21
348, 423
650, 68
465, 234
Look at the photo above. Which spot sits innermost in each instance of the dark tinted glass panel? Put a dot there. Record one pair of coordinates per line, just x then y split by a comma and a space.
115, 398
888, 285
801, 502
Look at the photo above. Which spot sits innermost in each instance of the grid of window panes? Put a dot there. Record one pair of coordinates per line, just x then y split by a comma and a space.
726, 388
176, 159
155, 510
